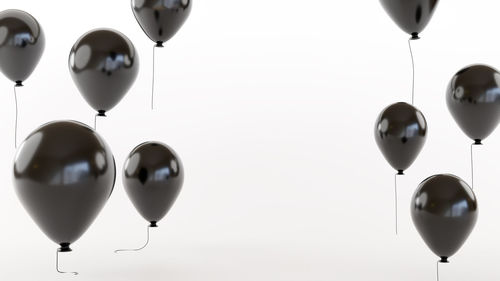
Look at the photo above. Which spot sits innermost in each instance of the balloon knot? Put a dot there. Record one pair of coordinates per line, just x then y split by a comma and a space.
477, 142
153, 224
400, 172
159, 44
19, 83
101, 113
65, 247
444, 260
414, 36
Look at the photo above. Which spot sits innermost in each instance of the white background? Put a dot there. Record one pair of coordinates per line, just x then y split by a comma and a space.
271, 106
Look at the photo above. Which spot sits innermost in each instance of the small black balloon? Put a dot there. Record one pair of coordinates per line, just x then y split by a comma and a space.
22, 43
103, 64
412, 16
64, 173
153, 175
444, 211
400, 133
161, 20
473, 98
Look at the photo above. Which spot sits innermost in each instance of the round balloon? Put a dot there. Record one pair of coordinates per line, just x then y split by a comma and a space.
22, 42
103, 64
161, 20
153, 177
412, 16
473, 98
64, 173
444, 211
400, 133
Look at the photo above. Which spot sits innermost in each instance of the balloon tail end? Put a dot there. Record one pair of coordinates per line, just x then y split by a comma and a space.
153, 224
444, 260
477, 142
65, 248
19, 83
101, 113
400, 172
159, 44
414, 36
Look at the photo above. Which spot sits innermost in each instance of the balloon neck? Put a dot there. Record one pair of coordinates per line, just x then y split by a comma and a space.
19, 83
101, 113
477, 142
414, 36
444, 260
153, 224
400, 172
65, 248
159, 44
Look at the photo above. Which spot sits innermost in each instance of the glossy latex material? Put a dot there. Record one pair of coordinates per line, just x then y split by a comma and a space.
473, 98
153, 177
444, 211
21, 44
161, 19
400, 133
103, 64
63, 174
412, 16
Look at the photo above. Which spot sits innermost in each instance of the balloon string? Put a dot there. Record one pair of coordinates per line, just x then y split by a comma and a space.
472, 164
396, 200
153, 79
15, 124
57, 264
138, 249
413, 73
437, 270
95, 121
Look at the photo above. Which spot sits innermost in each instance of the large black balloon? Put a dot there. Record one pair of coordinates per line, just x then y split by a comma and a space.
412, 16
473, 98
444, 211
153, 177
22, 42
161, 19
103, 64
64, 173
400, 133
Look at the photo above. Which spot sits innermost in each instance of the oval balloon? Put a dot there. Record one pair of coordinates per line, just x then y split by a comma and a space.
444, 211
103, 64
161, 20
64, 173
473, 98
400, 133
153, 175
412, 16
22, 42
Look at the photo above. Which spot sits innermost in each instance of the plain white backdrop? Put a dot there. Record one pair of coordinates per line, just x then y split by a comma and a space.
271, 106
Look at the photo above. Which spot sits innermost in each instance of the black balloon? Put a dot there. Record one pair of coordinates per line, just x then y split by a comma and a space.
22, 42
103, 64
412, 16
160, 19
444, 211
153, 177
64, 173
473, 98
400, 133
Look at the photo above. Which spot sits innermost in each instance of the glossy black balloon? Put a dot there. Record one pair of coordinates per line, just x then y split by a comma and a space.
161, 19
103, 64
444, 211
64, 173
22, 42
473, 98
153, 175
400, 133
412, 16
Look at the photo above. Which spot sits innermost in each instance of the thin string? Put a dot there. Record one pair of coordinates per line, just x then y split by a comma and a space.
472, 165
15, 128
57, 264
413, 73
95, 121
396, 200
138, 249
437, 270
153, 78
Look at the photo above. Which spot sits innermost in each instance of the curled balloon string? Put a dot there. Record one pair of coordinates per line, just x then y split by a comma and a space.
138, 249
15, 124
57, 264
413, 71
